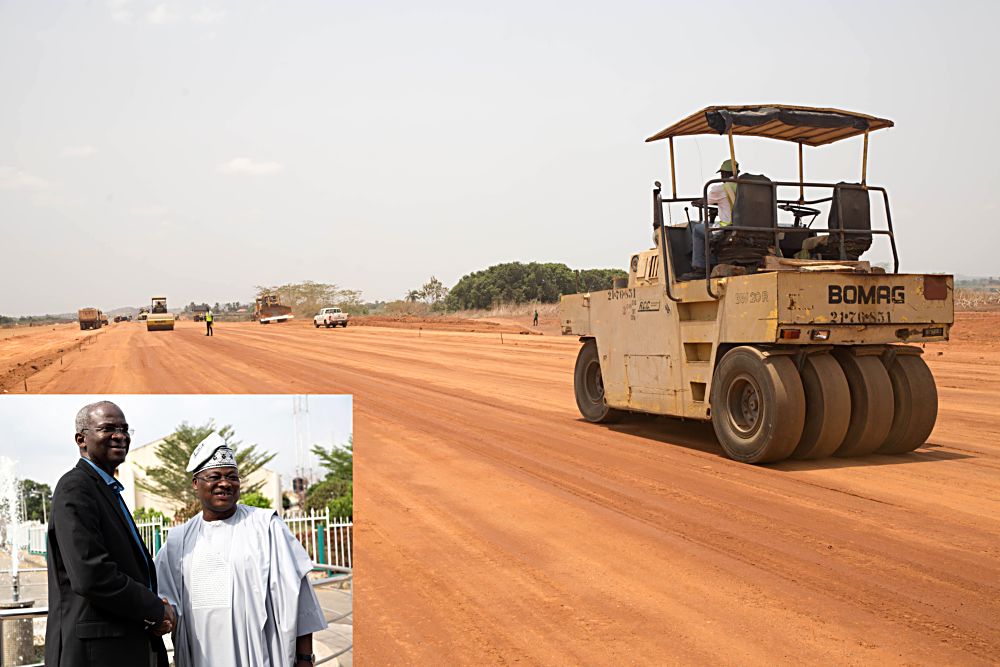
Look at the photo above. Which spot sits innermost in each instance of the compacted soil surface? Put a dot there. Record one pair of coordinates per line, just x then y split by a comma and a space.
494, 526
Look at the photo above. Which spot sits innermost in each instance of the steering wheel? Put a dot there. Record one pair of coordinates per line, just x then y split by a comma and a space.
711, 212
798, 210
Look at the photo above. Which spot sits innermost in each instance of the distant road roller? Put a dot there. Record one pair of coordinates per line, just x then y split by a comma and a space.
159, 318
792, 346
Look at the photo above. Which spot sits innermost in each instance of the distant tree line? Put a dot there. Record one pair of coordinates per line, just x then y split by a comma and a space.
227, 307
515, 282
35, 320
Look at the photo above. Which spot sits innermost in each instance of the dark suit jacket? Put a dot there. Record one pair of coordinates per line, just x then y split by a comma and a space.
98, 597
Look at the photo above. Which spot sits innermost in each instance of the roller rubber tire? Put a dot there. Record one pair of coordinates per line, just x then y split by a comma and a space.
588, 385
915, 404
828, 407
871, 403
758, 405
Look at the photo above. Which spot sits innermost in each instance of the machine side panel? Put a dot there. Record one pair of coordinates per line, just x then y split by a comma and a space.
574, 314
748, 309
635, 329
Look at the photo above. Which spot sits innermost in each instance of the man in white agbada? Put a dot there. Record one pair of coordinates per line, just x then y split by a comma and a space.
236, 577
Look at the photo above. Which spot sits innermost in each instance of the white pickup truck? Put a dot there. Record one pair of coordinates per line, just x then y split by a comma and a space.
330, 317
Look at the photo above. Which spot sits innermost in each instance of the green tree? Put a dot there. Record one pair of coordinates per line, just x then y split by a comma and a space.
34, 494
255, 499
323, 494
170, 479
142, 514
343, 505
336, 490
338, 461
433, 291
515, 282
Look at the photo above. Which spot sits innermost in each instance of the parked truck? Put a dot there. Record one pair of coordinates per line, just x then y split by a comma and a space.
330, 317
89, 318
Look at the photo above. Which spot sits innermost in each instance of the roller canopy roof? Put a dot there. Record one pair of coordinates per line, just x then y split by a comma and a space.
807, 125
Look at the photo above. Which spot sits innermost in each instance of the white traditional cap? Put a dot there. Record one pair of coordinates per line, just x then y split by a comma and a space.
212, 452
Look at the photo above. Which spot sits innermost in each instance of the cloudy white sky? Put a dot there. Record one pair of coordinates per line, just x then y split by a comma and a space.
197, 148
37, 431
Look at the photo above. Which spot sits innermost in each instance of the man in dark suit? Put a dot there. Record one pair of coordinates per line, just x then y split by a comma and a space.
103, 607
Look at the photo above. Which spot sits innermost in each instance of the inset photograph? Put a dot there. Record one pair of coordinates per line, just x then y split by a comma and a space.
186, 530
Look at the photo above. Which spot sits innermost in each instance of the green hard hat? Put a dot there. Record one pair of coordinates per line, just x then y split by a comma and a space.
728, 166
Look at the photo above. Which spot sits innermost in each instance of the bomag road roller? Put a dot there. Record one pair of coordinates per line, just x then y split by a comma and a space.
790, 343
158, 318
268, 308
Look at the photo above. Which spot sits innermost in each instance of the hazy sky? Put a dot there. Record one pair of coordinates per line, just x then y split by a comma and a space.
197, 149
37, 431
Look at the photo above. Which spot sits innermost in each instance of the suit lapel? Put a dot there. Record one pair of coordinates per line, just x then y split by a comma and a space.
112, 498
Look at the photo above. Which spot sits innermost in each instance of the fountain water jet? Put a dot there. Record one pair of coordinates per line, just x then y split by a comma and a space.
10, 518
17, 634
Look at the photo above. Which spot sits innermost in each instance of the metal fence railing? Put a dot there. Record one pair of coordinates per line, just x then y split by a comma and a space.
327, 539
20, 642
16, 645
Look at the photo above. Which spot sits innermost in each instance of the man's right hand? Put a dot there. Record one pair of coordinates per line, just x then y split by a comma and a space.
169, 620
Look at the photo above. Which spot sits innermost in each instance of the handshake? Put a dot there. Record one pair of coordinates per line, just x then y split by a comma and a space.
168, 623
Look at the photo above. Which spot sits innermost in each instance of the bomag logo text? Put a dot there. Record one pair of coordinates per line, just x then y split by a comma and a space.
870, 294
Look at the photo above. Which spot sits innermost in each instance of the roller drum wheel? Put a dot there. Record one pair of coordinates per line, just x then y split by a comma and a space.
871, 403
828, 407
588, 385
758, 405
915, 404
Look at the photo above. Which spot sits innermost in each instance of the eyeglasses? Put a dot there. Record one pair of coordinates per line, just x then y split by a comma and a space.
111, 430
215, 479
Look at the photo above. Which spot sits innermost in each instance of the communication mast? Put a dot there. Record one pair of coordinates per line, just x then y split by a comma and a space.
303, 458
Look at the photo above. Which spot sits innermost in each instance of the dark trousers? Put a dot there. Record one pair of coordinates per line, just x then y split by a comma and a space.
208, 328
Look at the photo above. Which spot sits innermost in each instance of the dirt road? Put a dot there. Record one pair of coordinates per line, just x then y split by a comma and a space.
494, 526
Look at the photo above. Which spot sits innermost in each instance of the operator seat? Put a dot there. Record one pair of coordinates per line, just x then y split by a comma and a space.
850, 210
756, 206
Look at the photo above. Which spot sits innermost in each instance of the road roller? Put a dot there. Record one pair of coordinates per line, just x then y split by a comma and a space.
775, 327
159, 318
